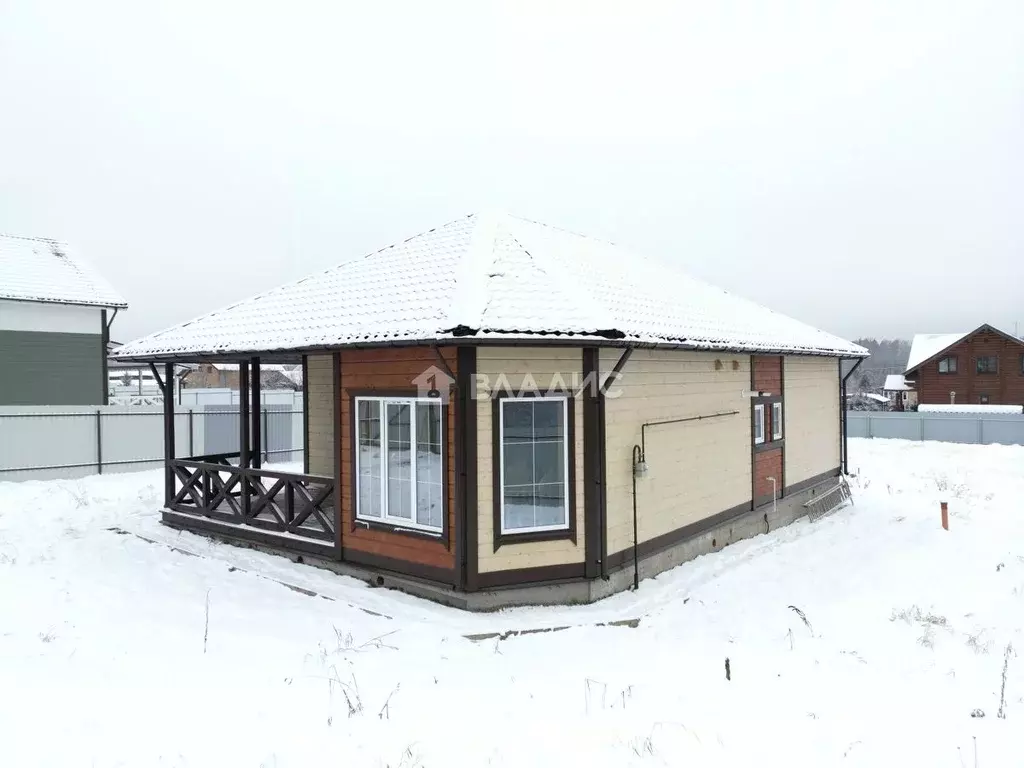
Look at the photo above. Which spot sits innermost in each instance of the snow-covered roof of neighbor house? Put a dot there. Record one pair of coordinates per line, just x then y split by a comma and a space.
895, 382
970, 408
492, 276
38, 269
926, 345
874, 396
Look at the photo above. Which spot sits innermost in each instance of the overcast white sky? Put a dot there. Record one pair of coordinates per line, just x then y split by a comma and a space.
859, 166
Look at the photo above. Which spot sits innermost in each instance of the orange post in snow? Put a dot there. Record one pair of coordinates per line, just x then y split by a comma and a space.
945, 515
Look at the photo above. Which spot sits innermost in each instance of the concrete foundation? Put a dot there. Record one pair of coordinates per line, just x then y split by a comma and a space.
745, 525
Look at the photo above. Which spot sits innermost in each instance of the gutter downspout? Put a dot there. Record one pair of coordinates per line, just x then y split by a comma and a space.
104, 341
843, 440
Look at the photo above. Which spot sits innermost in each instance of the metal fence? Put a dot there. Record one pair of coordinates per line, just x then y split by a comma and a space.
984, 429
47, 442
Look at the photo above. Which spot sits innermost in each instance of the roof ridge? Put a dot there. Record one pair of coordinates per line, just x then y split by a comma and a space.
299, 281
52, 240
554, 269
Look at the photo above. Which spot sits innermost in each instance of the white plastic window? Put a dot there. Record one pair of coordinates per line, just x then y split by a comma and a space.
776, 421
400, 462
758, 424
534, 464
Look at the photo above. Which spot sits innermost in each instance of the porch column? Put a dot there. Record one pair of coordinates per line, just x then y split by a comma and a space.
257, 444
243, 433
168, 433
339, 445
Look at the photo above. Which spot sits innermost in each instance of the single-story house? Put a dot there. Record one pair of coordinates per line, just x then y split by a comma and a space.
981, 367
502, 412
55, 318
900, 394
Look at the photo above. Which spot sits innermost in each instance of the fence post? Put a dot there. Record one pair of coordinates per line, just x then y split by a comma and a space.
981, 430
264, 438
191, 447
871, 432
920, 426
99, 440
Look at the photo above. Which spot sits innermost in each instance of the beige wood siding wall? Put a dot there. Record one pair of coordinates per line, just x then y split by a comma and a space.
811, 417
513, 363
697, 469
320, 392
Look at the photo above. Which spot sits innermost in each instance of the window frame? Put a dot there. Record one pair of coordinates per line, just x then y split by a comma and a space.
759, 422
945, 359
501, 536
776, 421
398, 524
977, 365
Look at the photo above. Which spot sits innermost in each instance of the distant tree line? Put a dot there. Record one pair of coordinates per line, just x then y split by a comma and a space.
887, 356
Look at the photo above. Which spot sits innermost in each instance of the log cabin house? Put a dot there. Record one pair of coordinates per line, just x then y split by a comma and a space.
982, 367
501, 412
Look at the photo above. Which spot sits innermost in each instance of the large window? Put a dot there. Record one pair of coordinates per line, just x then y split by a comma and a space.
399, 462
533, 442
947, 365
988, 364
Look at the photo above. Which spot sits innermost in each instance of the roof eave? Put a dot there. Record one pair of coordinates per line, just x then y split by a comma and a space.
96, 304
472, 339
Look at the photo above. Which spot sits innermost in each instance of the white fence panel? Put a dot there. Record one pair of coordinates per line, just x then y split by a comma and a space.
48, 442
984, 429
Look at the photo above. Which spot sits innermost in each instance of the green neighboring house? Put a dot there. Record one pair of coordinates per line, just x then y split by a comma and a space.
55, 317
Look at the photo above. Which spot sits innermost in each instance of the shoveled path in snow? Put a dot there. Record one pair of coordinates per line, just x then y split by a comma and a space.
103, 659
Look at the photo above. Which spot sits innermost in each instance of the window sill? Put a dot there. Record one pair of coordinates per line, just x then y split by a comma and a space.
768, 446
396, 528
505, 539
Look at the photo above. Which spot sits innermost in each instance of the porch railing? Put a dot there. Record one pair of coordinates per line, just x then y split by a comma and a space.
283, 502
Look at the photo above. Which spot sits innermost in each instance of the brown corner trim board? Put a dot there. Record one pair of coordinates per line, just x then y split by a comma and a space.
466, 510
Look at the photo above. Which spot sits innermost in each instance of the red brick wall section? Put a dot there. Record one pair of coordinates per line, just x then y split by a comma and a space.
391, 371
767, 464
1004, 388
768, 374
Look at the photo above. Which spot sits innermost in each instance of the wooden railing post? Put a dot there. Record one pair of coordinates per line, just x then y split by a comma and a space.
168, 434
257, 405
243, 435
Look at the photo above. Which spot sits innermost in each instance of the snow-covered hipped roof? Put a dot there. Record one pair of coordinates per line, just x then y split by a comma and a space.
38, 269
492, 276
895, 382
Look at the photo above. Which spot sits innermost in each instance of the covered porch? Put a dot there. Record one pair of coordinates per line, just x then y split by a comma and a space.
233, 494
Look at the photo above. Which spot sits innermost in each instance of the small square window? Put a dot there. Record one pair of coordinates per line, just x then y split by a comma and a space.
988, 364
776, 421
947, 364
758, 424
983, 399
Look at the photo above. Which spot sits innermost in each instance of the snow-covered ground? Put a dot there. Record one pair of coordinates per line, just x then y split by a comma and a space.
115, 651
